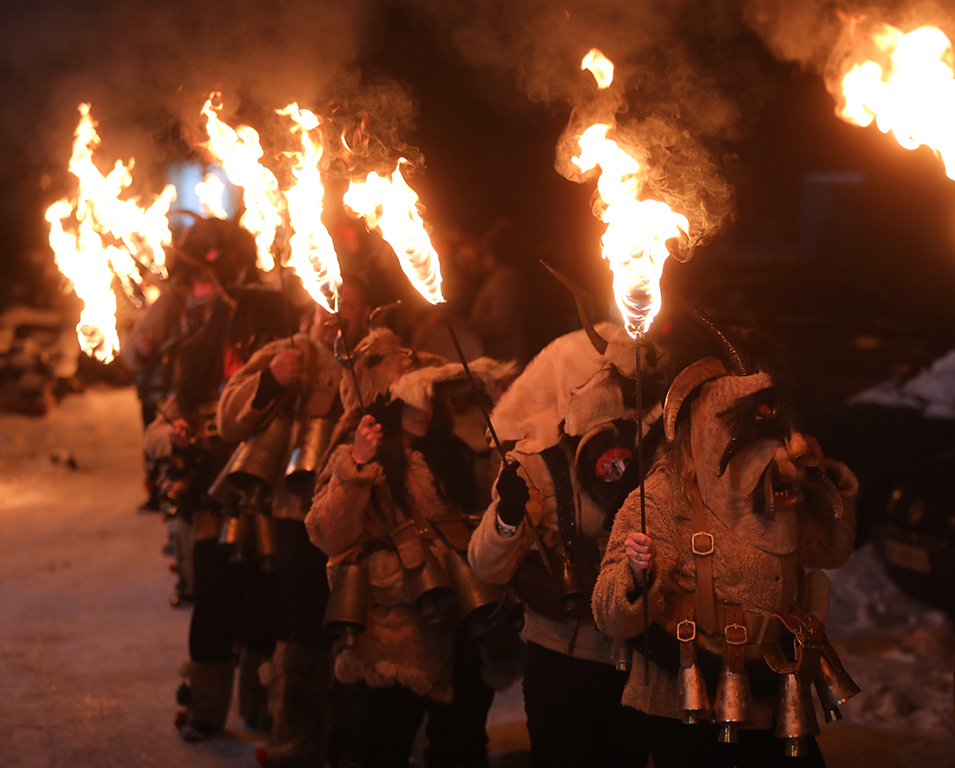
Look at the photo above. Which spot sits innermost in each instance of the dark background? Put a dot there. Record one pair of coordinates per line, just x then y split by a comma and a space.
811, 195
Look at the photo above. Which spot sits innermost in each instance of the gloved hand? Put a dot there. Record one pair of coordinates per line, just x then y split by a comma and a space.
513, 493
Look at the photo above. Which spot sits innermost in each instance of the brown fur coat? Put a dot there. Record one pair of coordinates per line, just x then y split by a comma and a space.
742, 574
396, 647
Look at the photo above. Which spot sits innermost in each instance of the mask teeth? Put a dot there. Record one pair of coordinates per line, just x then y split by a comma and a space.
770, 505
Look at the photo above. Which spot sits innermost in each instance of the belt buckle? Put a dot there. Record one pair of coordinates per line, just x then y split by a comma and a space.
691, 626
699, 550
735, 634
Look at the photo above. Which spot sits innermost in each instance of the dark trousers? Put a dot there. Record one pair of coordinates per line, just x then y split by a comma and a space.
234, 604
390, 718
302, 588
675, 745
574, 714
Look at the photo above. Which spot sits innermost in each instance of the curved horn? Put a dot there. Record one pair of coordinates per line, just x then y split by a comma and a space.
379, 314
688, 379
184, 212
738, 366
599, 342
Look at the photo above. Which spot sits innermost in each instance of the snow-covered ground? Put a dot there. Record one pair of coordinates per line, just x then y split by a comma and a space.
91, 649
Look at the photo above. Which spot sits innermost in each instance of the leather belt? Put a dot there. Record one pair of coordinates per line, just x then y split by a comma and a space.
745, 627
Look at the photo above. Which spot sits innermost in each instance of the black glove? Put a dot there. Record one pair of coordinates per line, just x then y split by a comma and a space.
513, 493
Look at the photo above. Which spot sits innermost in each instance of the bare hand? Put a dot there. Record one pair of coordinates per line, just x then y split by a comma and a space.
181, 433
367, 440
641, 552
286, 366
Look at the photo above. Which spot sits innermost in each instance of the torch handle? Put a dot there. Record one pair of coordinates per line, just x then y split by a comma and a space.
474, 386
349, 361
638, 377
490, 427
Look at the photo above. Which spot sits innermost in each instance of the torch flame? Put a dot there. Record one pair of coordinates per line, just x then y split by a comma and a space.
599, 66
313, 256
102, 237
637, 230
388, 204
911, 93
238, 151
211, 192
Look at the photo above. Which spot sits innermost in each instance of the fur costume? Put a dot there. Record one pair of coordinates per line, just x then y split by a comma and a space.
569, 390
351, 519
240, 417
758, 552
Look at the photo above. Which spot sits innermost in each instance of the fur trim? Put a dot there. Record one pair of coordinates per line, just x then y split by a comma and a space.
379, 361
417, 387
567, 372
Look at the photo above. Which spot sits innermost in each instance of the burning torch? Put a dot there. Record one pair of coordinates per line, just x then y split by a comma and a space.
635, 245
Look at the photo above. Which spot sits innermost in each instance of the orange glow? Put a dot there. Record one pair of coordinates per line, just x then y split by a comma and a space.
599, 66
238, 151
388, 204
313, 256
634, 242
905, 83
96, 235
210, 192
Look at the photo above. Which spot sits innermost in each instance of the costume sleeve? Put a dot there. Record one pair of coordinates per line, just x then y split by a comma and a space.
618, 600
160, 324
826, 541
494, 558
241, 413
343, 491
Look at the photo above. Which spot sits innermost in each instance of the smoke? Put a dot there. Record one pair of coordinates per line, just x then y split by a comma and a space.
807, 32
143, 66
687, 75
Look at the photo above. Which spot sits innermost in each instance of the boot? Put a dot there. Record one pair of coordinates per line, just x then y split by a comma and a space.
253, 696
299, 696
210, 685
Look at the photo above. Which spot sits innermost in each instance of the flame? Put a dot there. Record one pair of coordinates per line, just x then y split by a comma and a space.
637, 230
102, 236
909, 92
313, 256
599, 66
388, 204
238, 151
211, 191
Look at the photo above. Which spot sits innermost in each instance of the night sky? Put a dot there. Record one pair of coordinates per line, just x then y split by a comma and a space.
484, 91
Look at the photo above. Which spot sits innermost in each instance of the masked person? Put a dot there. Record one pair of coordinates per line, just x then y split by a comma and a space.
296, 379
226, 320
737, 506
571, 417
390, 507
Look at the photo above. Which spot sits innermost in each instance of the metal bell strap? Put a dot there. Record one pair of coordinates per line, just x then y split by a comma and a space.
703, 545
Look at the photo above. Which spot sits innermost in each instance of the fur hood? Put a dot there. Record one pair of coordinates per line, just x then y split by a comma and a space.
384, 367
567, 389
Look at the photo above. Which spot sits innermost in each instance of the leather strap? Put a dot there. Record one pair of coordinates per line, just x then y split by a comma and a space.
686, 631
762, 628
556, 462
734, 638
703, 545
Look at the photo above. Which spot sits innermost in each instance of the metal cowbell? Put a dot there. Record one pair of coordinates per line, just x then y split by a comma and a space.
303, 463
694, 700
734, 703
238, 537
266, 542
429, 586
477, 599
259, 459
834, 687
571, 592
347, 609
795, 714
